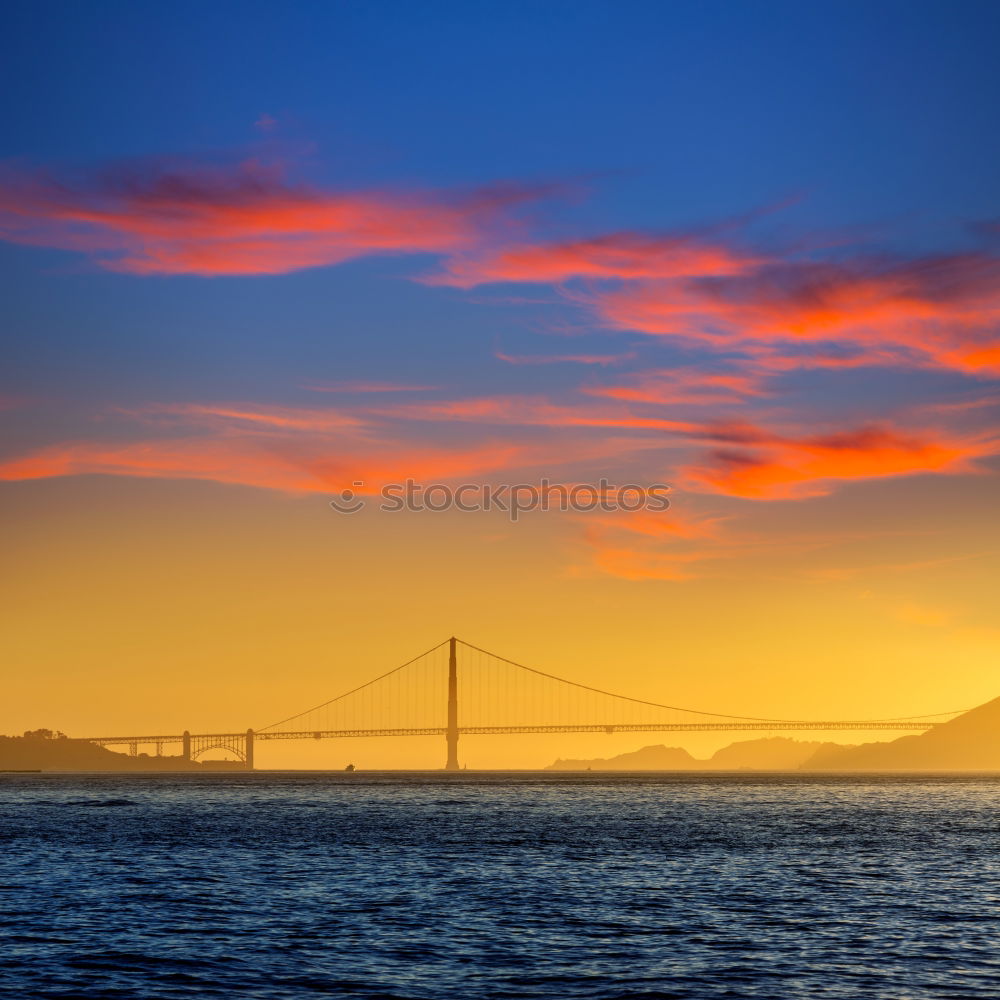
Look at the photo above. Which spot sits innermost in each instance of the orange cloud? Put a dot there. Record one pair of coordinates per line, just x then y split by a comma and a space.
660, 524
684, 386
630, 544
788, 468
939, 311
305, 449
637, 564
307, 467
248, 219
528, 411
984, 358
296, 450
935, 311
619, 255
750, 461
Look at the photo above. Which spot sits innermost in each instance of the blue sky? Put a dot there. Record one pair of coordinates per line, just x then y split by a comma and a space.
653, 115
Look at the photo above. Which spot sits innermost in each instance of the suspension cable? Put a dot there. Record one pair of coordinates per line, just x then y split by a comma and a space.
690, 711
360, 687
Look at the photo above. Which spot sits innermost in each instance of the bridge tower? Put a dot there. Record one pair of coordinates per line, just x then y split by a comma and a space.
186, 745
248, 752
451, 734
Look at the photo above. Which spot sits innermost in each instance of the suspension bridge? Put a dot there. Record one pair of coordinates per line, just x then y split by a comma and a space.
422, 698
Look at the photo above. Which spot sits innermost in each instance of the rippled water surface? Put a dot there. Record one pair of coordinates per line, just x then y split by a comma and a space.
471, 886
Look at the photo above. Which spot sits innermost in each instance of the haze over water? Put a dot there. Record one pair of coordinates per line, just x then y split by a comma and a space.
493, 885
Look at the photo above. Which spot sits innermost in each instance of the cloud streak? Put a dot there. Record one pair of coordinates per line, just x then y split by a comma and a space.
931, 312
795, 468
624, 255
302, 467
601, 360
245, 219
781, 310
792, 310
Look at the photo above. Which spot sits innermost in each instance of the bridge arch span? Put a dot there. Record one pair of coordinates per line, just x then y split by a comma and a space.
235, 744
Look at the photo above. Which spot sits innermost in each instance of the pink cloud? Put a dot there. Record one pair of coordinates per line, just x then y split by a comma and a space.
794, 468
531, 411
645, 545
939, 312
630, 563
626, 255
684, 386
292, 449
241, 220
299, 467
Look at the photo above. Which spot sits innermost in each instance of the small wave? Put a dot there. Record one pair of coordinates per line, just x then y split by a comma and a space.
102, 803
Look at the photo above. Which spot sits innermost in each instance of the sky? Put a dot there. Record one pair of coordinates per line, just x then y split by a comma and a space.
253, 255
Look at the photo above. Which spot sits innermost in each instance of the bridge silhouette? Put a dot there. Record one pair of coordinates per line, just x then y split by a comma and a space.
499, 696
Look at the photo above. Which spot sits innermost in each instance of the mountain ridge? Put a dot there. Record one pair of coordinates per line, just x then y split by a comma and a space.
969, 742
776, 753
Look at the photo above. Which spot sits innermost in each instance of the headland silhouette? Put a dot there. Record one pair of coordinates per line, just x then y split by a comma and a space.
46, 750
969, 742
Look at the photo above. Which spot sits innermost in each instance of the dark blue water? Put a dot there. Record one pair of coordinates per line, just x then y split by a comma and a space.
493, 886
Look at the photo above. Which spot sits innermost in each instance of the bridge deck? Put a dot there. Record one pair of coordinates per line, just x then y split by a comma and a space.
657, 727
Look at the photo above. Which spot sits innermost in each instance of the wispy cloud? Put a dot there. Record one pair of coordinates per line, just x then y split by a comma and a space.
794, 468
631, 563
645, 545
294, 449
746, 459
789, 309
932, 312
252, 417
602, 360
689, 386
291, 466
728, 328
626, 255
244, 219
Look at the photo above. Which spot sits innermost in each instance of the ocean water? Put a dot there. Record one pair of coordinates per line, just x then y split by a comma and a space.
470, 886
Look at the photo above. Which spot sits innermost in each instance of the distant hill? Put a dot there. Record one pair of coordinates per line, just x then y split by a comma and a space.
769, 754
55, 752
970, 742
775, 753
655, 758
